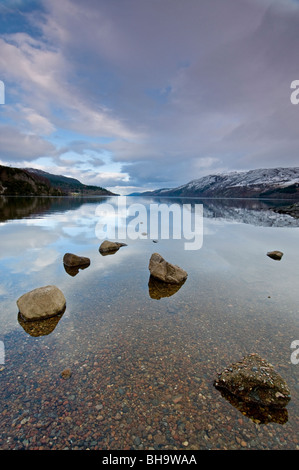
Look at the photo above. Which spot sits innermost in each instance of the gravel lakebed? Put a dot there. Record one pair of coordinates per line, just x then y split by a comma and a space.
139, 375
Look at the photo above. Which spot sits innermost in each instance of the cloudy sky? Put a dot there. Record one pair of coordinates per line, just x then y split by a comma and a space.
145, 94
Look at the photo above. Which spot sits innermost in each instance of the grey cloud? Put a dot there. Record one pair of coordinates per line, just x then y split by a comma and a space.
17, 146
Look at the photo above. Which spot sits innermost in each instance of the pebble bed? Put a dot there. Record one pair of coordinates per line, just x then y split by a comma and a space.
139, 375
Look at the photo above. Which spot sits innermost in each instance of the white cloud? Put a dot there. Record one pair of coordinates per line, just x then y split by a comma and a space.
43, 78
38, 124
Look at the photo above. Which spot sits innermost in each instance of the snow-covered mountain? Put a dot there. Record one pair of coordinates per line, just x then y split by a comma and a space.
261, 183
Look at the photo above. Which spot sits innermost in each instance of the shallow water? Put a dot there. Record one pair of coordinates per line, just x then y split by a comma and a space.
142, 367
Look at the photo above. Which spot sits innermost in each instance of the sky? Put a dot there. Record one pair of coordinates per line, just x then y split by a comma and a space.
136, 95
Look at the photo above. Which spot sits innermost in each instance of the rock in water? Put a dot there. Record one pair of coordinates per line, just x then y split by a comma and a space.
254, 380
42, 327
43, 302
166, 272
108, 247
72, 260
158, 289
292, 210
74, 270
277, 255
66, 373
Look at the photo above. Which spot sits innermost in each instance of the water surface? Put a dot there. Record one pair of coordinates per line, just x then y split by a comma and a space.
143, 361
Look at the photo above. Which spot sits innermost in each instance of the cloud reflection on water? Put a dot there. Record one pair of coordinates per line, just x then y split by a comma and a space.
32, 249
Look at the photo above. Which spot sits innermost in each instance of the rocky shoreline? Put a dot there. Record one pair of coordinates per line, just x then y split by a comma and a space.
292, 210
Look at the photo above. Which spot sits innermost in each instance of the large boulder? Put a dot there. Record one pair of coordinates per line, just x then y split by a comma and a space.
108, 247
40, 303
164, 271
72, 260
254, 380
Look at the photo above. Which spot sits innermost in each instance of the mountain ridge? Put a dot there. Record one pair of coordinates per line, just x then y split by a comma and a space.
259, 183
34, 182
71, 185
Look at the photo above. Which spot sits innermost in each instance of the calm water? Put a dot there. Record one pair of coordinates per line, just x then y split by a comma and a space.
142, 367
